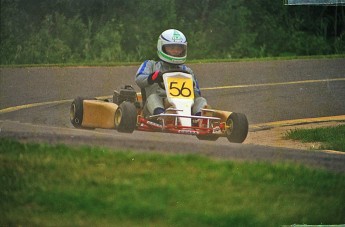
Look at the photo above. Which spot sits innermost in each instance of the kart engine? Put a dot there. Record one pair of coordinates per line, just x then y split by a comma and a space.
126, 93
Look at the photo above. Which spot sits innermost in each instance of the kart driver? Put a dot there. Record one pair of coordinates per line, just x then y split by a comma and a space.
172, 51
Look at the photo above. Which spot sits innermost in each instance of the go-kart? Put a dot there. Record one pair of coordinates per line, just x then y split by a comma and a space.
125, 113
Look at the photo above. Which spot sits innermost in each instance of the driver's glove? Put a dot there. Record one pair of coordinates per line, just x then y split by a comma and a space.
155, 77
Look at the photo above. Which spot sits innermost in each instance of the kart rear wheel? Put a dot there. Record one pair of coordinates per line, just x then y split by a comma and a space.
237, 130
126, 117
76, 112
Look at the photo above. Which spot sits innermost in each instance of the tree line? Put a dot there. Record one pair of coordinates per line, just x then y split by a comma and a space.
82, 31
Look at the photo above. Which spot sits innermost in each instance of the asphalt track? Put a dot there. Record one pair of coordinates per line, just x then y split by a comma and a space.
35, 105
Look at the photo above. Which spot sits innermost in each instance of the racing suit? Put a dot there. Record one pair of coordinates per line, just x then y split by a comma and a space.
155, 94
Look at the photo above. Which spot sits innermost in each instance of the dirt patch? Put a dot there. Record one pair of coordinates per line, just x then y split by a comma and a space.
274, 137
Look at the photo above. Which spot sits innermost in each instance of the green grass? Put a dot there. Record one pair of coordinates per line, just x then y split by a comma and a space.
43, 185
332, 138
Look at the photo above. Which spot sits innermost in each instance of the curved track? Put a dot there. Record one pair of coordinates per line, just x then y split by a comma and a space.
35, 104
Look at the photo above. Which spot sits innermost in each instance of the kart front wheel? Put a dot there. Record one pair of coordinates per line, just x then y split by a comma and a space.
126, 117
237, 128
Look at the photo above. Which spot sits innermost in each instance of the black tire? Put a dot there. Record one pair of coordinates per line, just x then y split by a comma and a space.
238, 128
76, 112
208, 137
126, 117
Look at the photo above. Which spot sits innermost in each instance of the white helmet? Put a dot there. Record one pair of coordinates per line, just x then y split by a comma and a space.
175, 39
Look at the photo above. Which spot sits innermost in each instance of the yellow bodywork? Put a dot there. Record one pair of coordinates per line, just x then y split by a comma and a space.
223, 115
98, 114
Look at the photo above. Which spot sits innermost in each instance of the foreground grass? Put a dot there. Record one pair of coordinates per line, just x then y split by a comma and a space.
332, 138
44, 185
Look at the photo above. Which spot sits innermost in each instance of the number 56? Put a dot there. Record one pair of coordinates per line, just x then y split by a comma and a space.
175, 89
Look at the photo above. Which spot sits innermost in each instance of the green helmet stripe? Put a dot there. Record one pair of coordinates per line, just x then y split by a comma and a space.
171, 58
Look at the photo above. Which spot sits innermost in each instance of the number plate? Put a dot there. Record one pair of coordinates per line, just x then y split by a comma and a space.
180, 88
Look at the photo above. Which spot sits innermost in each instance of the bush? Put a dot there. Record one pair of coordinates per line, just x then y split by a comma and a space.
83, 31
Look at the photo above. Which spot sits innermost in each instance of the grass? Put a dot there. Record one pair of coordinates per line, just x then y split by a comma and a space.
44, 185
332, 138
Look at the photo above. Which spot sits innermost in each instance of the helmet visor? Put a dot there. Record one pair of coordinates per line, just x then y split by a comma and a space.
175, 50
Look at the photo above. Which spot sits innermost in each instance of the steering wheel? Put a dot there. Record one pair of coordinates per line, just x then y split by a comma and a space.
161, 83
